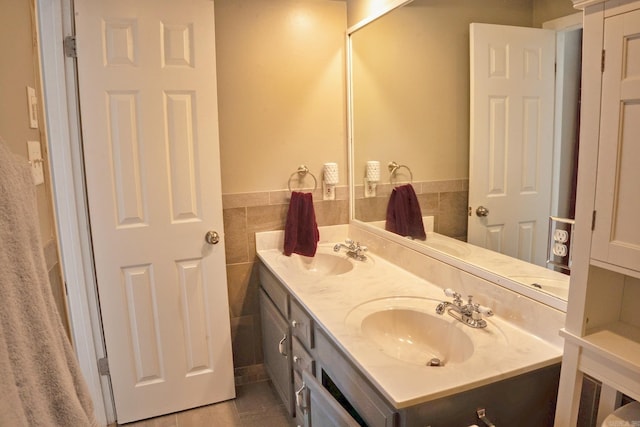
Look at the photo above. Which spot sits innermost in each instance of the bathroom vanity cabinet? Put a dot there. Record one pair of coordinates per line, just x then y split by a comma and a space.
322, 386
602, 332
289, 358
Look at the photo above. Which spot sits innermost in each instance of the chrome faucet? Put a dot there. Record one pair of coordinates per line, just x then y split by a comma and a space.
354, 250
470, 313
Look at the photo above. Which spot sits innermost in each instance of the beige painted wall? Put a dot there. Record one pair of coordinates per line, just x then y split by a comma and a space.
543, 10
19, 69
411, 79
359, 10
546, 10
411, 84
281, 90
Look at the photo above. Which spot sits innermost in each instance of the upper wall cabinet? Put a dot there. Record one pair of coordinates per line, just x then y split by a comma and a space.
616, 235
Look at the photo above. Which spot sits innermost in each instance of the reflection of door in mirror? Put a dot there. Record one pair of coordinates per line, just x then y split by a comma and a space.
522, 167
411, 96
511, 140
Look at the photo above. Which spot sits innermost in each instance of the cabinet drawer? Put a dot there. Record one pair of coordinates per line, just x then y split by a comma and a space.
320, 408
354, 387
301, 325
301, 360
275, 290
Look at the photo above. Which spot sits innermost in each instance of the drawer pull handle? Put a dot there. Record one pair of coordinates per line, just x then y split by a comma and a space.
281, 348
300, 400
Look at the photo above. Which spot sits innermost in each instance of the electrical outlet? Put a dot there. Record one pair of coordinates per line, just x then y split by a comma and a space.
328, 191
370, 188
560, 250
561, 236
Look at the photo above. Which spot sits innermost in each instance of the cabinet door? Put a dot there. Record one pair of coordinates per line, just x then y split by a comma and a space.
276, 348
351, 384
302, 413
616, 236
320, 408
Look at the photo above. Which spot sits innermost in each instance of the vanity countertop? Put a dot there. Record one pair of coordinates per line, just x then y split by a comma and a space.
501, 350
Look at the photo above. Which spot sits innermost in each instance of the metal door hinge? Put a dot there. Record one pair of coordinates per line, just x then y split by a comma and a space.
70, 50
103, 366
602, 64
593, 221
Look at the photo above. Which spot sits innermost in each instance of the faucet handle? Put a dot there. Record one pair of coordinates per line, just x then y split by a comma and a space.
452, 294
457, 298
348, 241
484, 310
362, 248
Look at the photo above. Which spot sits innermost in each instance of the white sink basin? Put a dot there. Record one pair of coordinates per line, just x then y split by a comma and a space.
322, 264
417, 337
407, 329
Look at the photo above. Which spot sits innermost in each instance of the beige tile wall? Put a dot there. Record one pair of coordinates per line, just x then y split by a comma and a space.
244, 215
446, 201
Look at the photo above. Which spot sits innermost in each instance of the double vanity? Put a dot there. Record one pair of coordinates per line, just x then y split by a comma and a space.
369, 341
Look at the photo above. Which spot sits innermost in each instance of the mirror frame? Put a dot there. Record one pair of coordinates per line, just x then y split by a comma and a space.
474, 269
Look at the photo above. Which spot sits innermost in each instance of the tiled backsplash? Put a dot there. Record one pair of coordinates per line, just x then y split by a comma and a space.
244, 215
446, 201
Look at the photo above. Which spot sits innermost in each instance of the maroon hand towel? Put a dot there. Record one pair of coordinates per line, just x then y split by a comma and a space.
301, 233
404, 216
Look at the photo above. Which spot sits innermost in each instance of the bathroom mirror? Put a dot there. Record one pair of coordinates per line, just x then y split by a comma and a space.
410, 92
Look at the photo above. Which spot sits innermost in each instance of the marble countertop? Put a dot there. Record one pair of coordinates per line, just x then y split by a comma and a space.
501, 350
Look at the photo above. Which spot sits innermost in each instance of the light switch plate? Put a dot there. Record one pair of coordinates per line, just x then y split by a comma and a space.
35, 159
32, 103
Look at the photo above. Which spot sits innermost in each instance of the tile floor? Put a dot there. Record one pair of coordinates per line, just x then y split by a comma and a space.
255, 405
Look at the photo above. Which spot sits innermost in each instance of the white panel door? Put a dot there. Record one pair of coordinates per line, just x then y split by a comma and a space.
616, 236
511, 146
147, 84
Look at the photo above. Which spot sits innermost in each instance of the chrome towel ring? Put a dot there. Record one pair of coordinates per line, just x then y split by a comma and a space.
302, 171
393, 168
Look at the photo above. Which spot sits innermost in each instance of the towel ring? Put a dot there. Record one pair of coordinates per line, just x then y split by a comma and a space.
393, 168
302, 171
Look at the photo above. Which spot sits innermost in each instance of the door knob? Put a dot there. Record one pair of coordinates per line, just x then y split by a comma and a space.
482, 211
212, 237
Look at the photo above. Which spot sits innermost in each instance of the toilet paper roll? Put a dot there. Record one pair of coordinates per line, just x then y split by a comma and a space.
373, 171
331, 173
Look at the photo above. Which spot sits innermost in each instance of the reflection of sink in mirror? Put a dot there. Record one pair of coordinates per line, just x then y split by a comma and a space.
447, 245
321, 264
417, 337
427, 221
437, 241
557, 287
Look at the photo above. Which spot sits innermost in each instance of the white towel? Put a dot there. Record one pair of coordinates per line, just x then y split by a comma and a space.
40, 380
